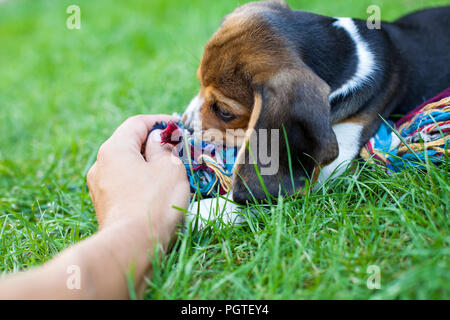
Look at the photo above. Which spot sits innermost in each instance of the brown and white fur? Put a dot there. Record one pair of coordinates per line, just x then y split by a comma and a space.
324, 81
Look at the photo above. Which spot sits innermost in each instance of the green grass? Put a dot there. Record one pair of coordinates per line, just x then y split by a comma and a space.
62, 93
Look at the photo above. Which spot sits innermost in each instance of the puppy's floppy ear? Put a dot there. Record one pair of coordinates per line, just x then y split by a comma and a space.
294, 102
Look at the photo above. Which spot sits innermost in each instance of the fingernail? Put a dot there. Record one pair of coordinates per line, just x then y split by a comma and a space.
155, 135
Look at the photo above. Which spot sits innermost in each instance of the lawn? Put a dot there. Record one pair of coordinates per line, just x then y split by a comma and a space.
63, 92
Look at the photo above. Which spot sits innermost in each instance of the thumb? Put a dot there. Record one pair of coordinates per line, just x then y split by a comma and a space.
153, 147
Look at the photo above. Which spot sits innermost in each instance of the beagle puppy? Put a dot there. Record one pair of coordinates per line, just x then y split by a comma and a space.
322, 83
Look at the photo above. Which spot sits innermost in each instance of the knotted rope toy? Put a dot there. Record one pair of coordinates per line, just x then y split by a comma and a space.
209, 167
425, 130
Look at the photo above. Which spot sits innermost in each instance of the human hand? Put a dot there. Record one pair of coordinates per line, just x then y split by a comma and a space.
126, 186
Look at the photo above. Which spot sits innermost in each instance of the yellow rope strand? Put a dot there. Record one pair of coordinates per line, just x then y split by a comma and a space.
421, 146
225, 181
429, 108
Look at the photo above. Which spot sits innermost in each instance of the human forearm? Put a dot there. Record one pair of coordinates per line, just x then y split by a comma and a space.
101, 263
133, 195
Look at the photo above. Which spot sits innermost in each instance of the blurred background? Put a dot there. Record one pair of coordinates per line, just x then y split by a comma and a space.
63, 91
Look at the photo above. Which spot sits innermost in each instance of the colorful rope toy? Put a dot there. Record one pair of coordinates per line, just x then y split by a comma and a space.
426, 131
209, 167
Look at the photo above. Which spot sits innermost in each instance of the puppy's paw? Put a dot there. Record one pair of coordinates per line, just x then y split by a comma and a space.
220, 211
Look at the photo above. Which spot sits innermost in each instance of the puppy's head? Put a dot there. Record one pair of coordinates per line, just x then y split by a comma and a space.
257, 93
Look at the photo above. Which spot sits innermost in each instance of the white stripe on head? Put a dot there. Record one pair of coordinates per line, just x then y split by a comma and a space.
348, 135
191, 116
365, 64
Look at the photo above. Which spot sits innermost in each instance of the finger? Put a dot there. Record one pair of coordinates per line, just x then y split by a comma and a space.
137, 128
154, 149
132, 134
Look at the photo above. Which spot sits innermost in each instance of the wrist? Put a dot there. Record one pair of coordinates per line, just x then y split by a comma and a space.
124, 247
141, 228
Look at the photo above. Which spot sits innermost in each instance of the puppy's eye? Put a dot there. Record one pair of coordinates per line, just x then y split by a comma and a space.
224, 115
